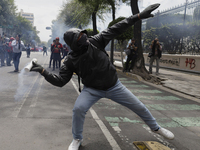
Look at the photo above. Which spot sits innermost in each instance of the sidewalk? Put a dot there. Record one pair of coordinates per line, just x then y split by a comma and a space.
187, 83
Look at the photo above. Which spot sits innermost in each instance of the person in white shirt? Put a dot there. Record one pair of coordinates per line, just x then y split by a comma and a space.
17, 45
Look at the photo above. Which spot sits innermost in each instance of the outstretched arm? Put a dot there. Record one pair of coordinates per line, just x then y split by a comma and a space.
102, 39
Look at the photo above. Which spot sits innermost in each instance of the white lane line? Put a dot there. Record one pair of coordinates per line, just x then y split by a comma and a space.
34, 100
102, 126
21, 103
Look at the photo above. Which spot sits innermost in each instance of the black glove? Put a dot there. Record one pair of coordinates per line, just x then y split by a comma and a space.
36, 67
147, 12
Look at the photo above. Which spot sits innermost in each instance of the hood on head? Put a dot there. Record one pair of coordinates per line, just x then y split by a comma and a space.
71, 37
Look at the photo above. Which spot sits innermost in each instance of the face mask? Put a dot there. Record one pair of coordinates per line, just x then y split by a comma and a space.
83, 42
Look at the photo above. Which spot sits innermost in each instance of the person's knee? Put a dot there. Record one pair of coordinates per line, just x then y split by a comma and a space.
79, 110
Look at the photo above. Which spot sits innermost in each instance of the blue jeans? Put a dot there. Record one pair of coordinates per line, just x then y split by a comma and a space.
16, 58
118, 93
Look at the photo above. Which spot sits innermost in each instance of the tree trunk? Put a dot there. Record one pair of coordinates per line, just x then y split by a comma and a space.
94, 21
139, 67
112, 42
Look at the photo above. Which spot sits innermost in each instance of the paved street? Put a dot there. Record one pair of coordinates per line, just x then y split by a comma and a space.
35, 115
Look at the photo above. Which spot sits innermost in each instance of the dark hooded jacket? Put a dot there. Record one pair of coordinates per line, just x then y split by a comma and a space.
91, 64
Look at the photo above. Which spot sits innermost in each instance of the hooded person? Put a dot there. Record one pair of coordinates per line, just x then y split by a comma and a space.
89, 60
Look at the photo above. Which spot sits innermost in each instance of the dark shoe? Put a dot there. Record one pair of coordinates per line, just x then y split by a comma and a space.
16, 70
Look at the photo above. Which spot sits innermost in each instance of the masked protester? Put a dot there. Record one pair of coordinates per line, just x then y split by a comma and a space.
90, 62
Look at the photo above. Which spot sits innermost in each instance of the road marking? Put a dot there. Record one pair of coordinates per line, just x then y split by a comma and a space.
172, 107
34, 100
102, 126
145, 91
158, 98
136, 86
21, 103
123, 81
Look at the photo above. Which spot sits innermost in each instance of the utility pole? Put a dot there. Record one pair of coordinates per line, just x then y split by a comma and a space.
183, 25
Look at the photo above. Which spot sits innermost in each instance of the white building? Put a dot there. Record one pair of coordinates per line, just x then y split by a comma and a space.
28, 16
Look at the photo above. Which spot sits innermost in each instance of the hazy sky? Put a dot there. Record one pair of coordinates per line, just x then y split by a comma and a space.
47, 10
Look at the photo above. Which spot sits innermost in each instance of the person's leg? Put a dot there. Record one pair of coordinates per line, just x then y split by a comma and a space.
127, 63
151, 64
157, 64
54, 61
18, 60
120, 94
83, 103
132, 63
15, 60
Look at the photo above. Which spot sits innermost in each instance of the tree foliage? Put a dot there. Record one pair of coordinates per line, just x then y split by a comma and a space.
13, 24
124, 36
90, 32
75, 14
171, 35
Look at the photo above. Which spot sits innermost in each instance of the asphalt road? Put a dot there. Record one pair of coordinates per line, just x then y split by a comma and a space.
35, 115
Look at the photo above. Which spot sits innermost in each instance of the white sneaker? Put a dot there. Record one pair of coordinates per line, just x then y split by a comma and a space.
75, 144
165, 133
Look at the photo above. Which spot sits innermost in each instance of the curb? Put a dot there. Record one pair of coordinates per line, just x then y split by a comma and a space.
162, 86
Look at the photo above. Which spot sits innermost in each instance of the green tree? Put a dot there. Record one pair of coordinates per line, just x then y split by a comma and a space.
122, 37
75, 14
97, 9
90, 32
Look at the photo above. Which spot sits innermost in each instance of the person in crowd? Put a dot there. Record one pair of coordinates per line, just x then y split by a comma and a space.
65, 50
9, 50
132, 56
2, 51
156, 52
28, 50
51, 56
44, 50
57, 50
17, 45
89, 60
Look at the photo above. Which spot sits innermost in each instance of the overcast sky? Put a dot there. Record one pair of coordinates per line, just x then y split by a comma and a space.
47, 10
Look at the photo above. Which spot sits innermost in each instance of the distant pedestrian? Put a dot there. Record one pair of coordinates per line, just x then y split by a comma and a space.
44, 50
9, 51
155, 55
132, 56
51, 56
2, 51
28, 50
57, 50
17, 45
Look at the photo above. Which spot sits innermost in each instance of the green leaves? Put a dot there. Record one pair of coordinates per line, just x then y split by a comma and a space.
126, 35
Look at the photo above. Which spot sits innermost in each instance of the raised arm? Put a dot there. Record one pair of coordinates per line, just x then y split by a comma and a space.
102, 39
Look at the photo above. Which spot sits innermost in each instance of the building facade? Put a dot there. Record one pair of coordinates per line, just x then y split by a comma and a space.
28, 16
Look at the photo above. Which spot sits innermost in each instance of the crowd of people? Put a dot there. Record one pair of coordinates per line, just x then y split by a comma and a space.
58, 52
11, 51
132, 53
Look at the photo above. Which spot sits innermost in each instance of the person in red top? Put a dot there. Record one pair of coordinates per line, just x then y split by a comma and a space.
9, 52
57, 48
